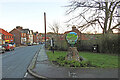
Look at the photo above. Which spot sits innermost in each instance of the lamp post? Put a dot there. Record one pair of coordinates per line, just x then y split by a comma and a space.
45, 27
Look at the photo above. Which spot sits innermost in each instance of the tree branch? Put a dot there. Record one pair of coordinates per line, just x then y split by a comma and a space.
116, 25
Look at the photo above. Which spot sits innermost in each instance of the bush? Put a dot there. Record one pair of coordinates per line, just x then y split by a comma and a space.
107, 43
62, 62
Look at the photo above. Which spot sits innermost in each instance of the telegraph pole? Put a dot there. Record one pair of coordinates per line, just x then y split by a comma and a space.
45, 27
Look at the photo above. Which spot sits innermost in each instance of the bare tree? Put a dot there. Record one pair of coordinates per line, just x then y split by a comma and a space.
55, 27
92, 12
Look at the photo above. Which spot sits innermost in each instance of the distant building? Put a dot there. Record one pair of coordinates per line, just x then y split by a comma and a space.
30, 40
40, 35
0, 38
6, 36
17, 35
22, 36
26, 32
35, 37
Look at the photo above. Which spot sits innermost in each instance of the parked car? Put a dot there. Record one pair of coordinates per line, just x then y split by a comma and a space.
29, 44
2, 49
9, 47
13, 44
34, 43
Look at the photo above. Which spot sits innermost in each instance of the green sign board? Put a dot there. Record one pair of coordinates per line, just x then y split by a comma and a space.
72, 37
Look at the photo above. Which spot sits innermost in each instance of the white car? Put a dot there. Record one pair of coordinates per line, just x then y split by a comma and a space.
2, 49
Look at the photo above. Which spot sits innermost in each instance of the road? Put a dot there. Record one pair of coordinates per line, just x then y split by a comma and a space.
15, 63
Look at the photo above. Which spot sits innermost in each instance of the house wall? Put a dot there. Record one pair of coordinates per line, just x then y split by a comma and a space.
31, 37
0, 39
34, 38
8, 38
23, 38
17, 36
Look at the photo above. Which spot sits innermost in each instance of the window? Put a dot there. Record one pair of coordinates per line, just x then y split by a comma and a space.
10, 45
0, 37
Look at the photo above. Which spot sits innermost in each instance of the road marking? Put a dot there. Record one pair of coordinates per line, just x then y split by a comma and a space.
26, 74
69, 73
73, 75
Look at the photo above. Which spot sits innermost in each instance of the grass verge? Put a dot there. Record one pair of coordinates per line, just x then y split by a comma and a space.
96, 59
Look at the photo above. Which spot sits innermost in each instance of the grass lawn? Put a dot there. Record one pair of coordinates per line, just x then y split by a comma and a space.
97, 59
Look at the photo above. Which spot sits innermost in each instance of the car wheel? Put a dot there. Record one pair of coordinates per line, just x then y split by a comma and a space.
3, 52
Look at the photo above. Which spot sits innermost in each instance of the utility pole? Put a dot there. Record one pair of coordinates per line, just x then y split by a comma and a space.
45, 27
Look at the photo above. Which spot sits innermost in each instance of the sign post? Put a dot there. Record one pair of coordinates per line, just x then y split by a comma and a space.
52, 45
72, 38
73, 54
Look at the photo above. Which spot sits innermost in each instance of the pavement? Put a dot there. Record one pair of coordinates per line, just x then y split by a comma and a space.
44, 69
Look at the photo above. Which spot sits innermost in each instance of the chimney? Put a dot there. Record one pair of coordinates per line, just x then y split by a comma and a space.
18, 27
36, 31
73, 28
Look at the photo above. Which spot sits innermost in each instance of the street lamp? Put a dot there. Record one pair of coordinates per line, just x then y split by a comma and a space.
45, 27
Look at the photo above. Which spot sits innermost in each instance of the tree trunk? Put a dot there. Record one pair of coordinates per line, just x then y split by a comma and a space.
106, 18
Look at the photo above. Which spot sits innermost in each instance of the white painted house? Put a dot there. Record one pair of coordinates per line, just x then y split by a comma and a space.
0, 38
30, 36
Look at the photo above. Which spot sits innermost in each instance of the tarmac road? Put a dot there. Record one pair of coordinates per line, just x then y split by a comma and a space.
15, 63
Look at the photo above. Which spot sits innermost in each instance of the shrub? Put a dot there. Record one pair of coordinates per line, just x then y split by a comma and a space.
62, 62
107, 43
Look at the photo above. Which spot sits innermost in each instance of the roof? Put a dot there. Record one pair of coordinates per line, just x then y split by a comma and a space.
44, 37
25, 30
5, 32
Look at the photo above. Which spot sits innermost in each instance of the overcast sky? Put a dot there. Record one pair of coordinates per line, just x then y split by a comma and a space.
30, 14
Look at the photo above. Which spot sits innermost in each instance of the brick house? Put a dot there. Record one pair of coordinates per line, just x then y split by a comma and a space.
40, 37
6, 36
26, 36
17, 35
22, 36
35, 37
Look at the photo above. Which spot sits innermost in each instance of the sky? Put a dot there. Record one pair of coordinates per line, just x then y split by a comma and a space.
30, 14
